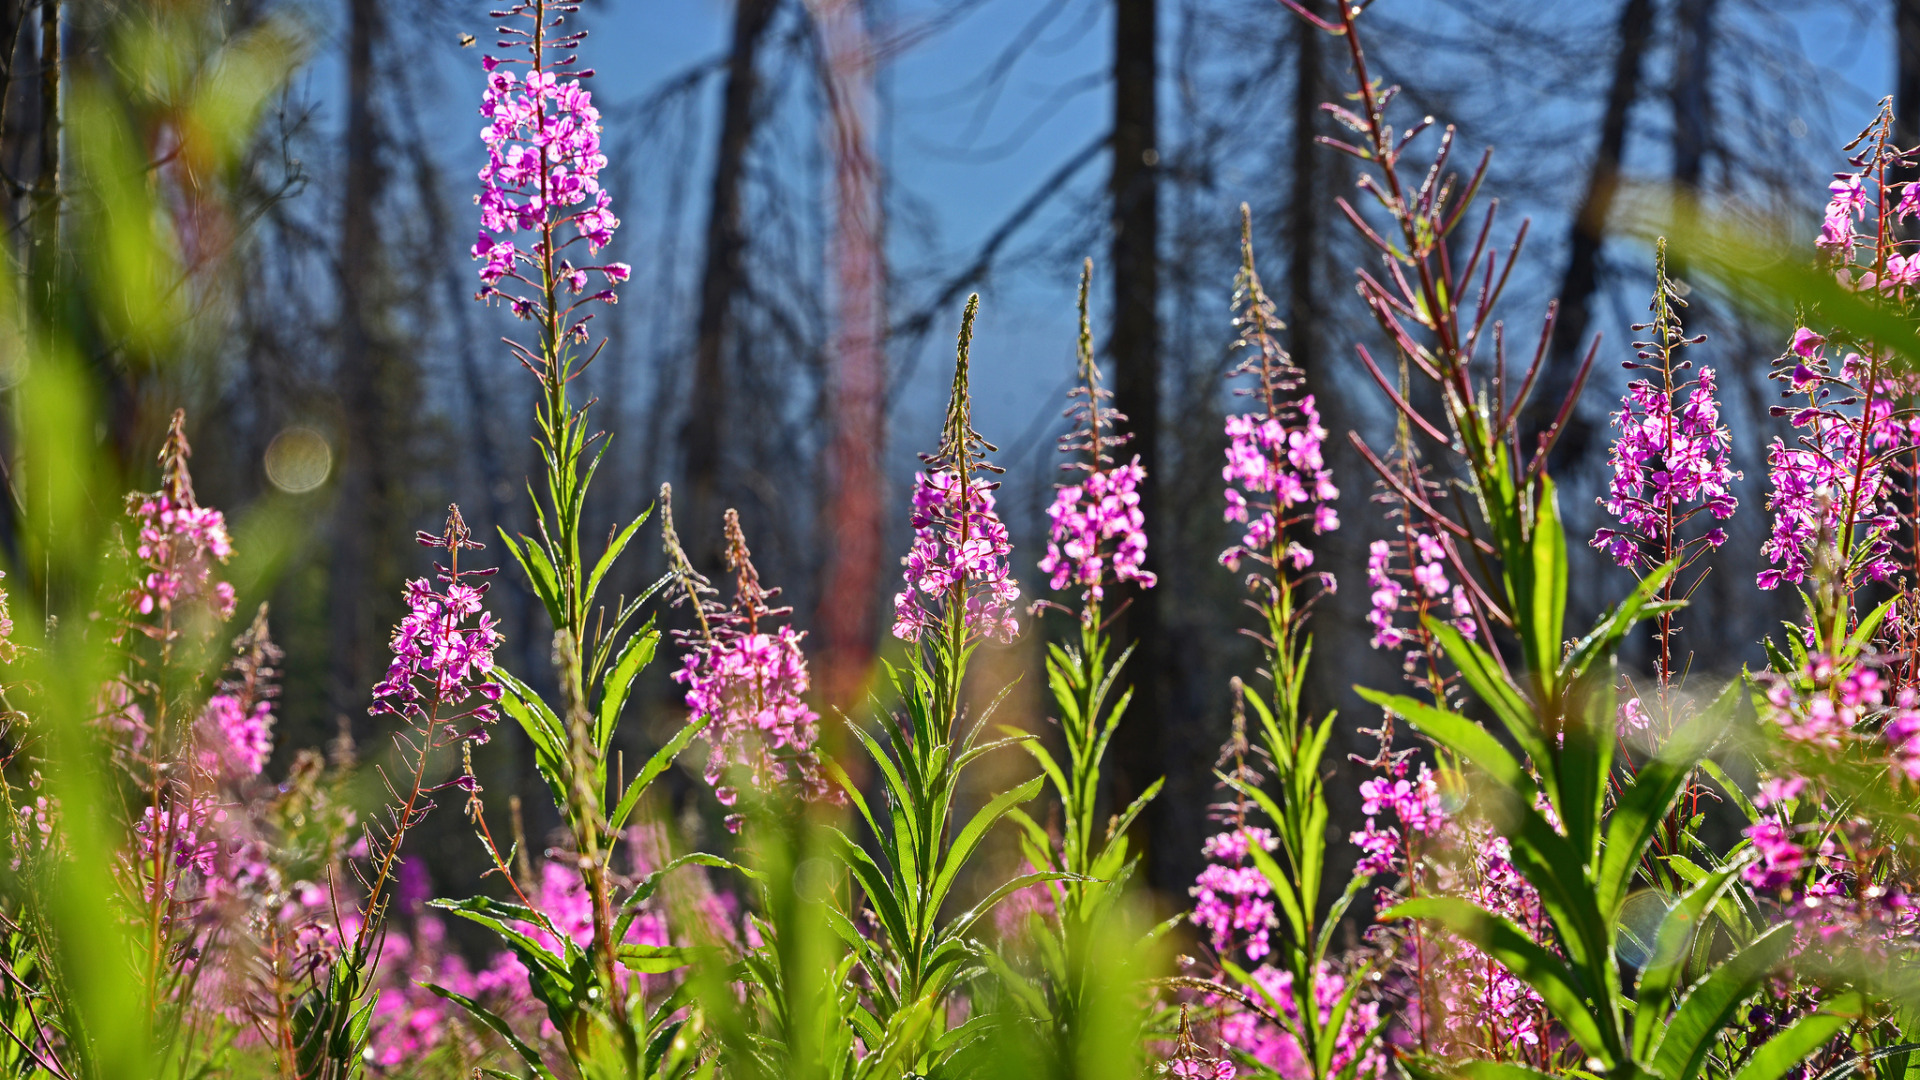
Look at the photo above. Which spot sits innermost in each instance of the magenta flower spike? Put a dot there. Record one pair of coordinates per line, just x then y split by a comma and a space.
958, 573
542, 176
1277, 479
1098, 533
178, 541
745, 675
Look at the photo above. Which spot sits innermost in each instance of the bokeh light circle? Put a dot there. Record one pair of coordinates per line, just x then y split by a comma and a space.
298, 460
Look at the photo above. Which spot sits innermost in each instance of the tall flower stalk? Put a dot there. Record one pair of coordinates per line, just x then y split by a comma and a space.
1097, 545
545, 221
1296, 1012
1671, 461
745, 676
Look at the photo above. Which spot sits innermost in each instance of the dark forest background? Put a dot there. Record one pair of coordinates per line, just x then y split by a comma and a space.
801, 255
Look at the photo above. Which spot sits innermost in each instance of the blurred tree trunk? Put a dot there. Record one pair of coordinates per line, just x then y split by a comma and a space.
852, 519
1906, 94
1306, 208
1581, 281
1133, 191
357, 375
704, 432
1692, 91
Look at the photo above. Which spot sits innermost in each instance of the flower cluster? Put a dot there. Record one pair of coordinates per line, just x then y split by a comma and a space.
747, 680
543, 169
246, 734
179, 543
1416, 803
1276, 1048
1835, 480
439, 660
1489, 1011
750, 688
1426, 568
1230, 897
1275, 473
960, 553
1667, 465
1269, 456
1102, 507
177, 540
1826, 706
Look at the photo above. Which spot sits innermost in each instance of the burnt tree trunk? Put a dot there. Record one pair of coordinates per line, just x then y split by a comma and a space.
1581, 279
704, 432
1906, 91
1133, 191
1692, 92
357, 372
852, 520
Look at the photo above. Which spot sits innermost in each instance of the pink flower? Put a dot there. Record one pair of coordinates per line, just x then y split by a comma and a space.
1668, 464
959, 555
750, 687
1780, 859
439, 673
1103, 507
544, 160
1277, 457
1231, 897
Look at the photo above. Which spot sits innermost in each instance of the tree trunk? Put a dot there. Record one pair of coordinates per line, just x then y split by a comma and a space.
1906, 92
1692, 92
359, 392
1582, 278
704, 432
1133, 189
1306, 208
852, 521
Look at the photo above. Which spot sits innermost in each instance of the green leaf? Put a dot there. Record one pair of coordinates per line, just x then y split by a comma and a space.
650, 772
1460, 735
1606, 635
659, 959
1709, 1005
964, 922
1548, 975
1542, 621
539, 570
1640, 809
607, 557
486, 1016
1671, 941
480, 909
874, 883
1803, 1037
634, 656
969, 838
543, 730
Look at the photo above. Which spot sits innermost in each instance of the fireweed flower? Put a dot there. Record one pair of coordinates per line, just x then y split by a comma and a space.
960, 548
1417, 585
440, 659
1104, 507
542, 175
1276, 1048
745, 675
1277, 480
1231, 897
178, 541
1098, 532
1667, 465
958, 573
1832, 490
235, 730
